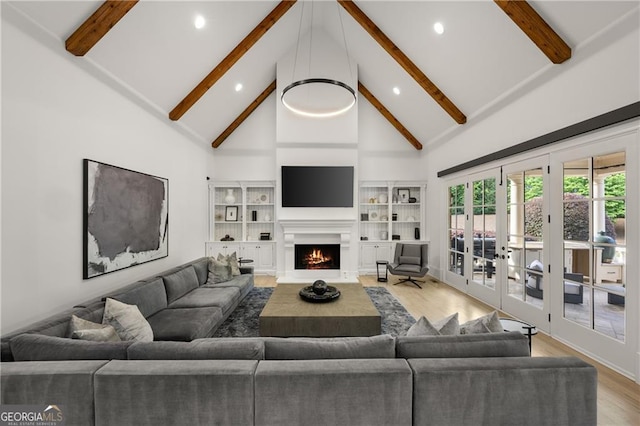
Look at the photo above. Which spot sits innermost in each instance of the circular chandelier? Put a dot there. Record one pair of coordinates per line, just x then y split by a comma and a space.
318, 97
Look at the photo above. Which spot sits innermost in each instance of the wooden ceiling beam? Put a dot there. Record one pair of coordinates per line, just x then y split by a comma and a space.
537, 29
403, 60
243, 116
97, 26
233, 57
390, 117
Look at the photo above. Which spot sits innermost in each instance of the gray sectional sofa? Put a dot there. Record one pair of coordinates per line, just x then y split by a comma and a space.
185, 376
179, 304
379, 380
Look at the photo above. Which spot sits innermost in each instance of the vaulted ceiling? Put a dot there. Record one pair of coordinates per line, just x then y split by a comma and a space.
488, 50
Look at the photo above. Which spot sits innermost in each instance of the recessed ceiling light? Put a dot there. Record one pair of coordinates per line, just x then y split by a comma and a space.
438, 27
199, 22
396, 90
238, 87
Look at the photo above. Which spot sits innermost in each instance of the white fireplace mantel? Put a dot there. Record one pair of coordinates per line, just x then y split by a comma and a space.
318, 231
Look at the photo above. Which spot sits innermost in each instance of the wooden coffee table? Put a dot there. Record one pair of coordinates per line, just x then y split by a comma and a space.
287, 315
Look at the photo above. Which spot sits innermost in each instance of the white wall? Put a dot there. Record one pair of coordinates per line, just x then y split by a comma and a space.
54, 115
602, 75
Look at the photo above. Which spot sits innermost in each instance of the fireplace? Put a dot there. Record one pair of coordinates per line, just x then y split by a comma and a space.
317, 256
332, 237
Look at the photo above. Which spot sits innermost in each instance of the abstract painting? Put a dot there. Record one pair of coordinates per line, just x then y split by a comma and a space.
126, 218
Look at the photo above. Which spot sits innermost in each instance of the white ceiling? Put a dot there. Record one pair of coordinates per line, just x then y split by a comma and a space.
156, 51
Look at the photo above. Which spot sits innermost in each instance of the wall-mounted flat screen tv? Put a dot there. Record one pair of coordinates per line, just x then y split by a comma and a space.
317, 186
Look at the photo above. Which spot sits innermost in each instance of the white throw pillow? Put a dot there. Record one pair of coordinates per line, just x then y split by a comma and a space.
80, 328
219, 271
232, 260
127, 320
445, 326
489, 323
104, 334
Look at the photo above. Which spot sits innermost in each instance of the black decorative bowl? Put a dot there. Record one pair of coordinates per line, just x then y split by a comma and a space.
308, 294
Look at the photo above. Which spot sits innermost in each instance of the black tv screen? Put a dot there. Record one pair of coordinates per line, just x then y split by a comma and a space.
317, 186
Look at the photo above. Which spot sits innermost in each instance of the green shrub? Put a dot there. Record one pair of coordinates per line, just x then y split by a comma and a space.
576, 218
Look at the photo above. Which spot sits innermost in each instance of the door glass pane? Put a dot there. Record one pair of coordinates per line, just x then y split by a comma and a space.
526, 222
456, 229
484, 232
594, 225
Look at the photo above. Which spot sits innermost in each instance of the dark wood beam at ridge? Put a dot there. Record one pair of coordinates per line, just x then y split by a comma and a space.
403, 60
97, 26
243, 116
537, 29
390, 117
233, 57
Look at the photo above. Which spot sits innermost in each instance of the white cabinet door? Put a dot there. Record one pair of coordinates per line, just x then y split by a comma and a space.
226, 248
265, 257
372, 252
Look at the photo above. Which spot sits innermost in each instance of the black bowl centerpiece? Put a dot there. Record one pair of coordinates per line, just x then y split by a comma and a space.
319, 291
319, 287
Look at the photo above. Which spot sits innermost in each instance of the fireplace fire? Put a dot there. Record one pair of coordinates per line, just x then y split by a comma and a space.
317, 256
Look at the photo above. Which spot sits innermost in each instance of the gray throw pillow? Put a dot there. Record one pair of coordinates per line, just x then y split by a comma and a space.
219, 271
127, 320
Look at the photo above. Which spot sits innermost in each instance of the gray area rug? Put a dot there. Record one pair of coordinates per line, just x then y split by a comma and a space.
243, 321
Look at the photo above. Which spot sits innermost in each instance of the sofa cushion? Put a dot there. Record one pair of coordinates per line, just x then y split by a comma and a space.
235, 348
68, 383
197, 392
201, 266
127, 320
150, 296
37, 347
243, 282
226, 298
463, 346
185, 324
180, 283
504, 391
331, 348
376, 392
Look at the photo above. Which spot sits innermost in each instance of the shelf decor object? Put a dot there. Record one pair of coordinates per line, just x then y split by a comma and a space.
230, 198
403, 195
231, 214
126, 218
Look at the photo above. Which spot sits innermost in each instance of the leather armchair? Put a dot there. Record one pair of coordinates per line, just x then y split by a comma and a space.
410, 260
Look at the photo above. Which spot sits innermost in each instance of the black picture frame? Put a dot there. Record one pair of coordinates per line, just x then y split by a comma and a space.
403, 195
231, 214
125, 218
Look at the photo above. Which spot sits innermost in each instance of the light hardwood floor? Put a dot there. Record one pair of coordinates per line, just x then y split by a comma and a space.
618, 396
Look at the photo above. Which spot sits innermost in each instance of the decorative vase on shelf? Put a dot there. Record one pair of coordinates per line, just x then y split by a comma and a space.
230, 198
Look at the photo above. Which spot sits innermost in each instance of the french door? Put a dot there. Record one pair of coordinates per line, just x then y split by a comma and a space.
483, 243
497, 230
526, 284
